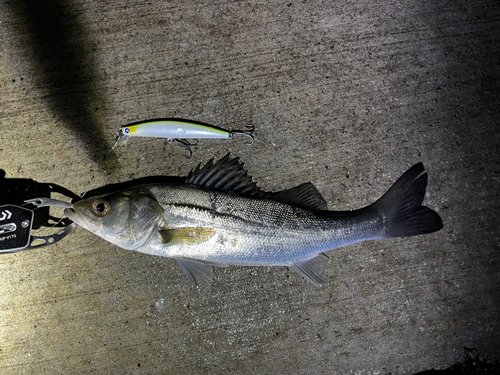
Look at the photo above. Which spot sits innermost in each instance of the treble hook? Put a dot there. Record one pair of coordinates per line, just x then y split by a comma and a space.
248, 133
120, 137
184, 143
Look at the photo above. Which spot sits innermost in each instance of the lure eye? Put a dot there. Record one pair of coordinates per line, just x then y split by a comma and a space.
101, 207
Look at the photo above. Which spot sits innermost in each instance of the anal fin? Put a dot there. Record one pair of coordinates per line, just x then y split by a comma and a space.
313, 270
198, 272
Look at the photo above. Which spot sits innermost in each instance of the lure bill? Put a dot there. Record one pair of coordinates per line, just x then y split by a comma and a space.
219, 217
179, 131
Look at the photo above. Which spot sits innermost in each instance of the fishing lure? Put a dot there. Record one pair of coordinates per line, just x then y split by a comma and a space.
179, 131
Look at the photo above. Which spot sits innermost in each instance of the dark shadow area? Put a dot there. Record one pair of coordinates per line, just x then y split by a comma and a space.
152, 180
210, 175
63, 65
473, 365
17, 190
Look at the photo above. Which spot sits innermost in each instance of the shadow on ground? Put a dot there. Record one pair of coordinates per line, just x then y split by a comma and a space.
62, 60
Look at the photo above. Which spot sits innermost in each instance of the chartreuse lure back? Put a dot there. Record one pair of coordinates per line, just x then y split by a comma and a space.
180, 132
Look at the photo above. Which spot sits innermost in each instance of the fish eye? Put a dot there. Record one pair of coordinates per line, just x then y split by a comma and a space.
101, 207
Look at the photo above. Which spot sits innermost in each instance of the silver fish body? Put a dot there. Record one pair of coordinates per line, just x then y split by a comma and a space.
219, 217
249, 231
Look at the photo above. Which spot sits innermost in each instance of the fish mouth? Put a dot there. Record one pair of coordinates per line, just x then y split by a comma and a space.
81, 220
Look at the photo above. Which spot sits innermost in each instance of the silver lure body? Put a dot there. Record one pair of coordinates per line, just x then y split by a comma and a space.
179, 131
220, 217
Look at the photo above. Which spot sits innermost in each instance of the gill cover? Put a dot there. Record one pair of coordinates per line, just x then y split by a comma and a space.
127, 219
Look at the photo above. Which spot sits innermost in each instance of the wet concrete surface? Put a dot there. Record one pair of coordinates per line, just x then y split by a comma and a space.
346, 95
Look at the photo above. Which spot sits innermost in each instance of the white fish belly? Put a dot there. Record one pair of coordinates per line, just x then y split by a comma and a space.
255, 246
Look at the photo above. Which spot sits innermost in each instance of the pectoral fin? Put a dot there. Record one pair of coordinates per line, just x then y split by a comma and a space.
185, 236
198, 272
313, 270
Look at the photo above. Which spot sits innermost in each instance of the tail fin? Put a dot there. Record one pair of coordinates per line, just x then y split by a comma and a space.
402, 207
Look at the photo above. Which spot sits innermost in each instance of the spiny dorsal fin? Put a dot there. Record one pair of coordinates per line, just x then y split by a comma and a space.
227, 175
304, 196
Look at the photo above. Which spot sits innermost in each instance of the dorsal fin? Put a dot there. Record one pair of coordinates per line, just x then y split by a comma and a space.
226, 175
304, 196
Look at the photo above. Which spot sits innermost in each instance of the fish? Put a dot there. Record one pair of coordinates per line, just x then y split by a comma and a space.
218, 217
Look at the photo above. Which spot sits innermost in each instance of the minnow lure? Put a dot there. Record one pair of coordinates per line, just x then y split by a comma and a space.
179, 131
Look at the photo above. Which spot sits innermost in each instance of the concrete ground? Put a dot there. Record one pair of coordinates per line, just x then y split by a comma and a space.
344, 94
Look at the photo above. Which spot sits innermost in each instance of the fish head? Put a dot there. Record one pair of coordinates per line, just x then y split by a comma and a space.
126, 219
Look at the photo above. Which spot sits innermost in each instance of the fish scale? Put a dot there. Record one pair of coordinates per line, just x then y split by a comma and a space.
266, 232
